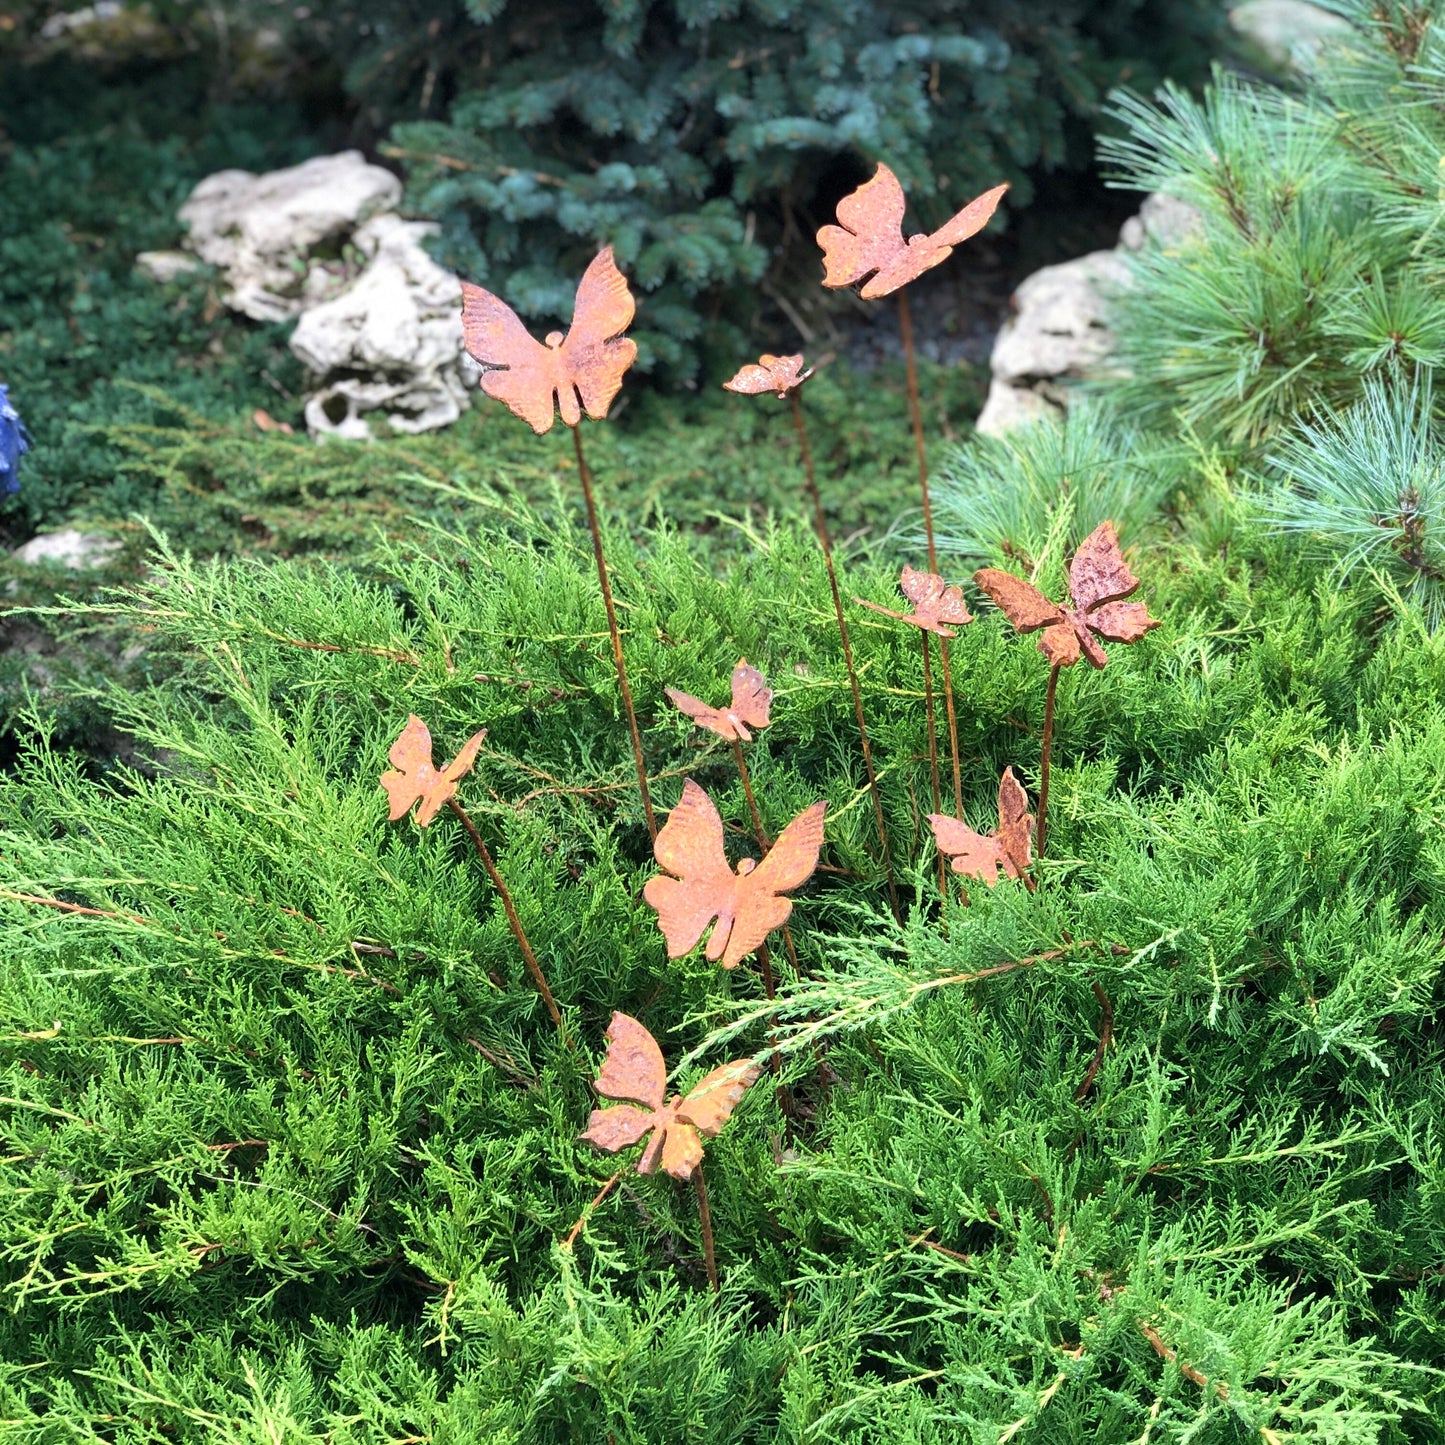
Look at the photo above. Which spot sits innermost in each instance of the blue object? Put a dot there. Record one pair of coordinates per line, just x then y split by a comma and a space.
14, 443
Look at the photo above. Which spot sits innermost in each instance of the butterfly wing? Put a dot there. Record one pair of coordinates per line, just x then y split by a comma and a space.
1099, 573
521, 372
618, 1127
1062, 643
789, 864
752, 697
974, 855
713, 719
690, 846
1021, 602
710, 1104
411, 754
595, 355
1015, 825
461, 765
681, 1150
633, 1068
869, 233
970, 220
1122, 621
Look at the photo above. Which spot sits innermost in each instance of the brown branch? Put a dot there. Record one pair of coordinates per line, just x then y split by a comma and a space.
1106, 1034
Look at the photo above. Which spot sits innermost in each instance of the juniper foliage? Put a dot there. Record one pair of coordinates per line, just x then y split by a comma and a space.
291, 1145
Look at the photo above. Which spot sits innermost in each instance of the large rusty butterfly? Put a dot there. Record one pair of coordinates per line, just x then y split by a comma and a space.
1099, 580
934, 603
749, 706
581, 371
634, 1070
981, 855
417, 779
868, 239
747, 904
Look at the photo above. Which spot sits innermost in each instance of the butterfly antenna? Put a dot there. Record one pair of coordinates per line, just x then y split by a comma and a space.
915, 414
585, 473
822, 525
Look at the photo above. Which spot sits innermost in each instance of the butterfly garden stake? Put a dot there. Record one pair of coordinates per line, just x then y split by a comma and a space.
414, 779
745, 905
1099, 581
634, 1071
576, 372
749, 707
868, 245
935, 606
785, 376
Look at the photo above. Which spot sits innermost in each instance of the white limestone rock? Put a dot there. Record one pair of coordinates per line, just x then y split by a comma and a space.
390, 344
1287, 31
166, 266
279, 238
1010, 407
69, 547
1164, 220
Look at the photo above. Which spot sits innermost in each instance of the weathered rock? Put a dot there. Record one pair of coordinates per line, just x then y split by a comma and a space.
69, 547
279, 238
165, 266
1164, 220
1008, 407
1286, 30
1059, 331
391, 343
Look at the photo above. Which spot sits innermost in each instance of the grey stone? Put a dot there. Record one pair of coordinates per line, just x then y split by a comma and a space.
164, 266
1164, 220
262, 232
1058, 328
69, 547
1287, 31
390, 344
1009, 407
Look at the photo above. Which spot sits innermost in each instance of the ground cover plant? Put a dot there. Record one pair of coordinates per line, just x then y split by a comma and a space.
329, 1120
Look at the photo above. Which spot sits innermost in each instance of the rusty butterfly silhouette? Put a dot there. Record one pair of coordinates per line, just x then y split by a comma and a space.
418, 780
634, 1072
981, 855
748, 708
868, 239
781, 374
934, 603
1099, 580
579, 371
747, 904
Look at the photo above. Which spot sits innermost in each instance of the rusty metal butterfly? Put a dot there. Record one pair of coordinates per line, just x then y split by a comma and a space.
1099, 580
981, 855
747, 904
934, 603
418, 780
634, 1071
781, 374
868, 239
748, 708
576, 372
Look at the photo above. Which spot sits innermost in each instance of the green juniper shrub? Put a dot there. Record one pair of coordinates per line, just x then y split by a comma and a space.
292, 1146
